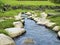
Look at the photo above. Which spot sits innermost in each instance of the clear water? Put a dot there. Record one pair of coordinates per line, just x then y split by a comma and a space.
40, 34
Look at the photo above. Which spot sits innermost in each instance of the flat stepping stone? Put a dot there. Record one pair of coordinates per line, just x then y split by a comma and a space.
5, 40
14, 32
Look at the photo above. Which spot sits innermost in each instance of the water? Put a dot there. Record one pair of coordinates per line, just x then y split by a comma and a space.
40, 34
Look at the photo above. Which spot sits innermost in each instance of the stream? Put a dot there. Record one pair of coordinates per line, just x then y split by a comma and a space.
40, 34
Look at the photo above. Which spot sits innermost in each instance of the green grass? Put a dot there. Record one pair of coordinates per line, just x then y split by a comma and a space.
12, 13
7, 23
25, 3
55, 19
3, 32
50, 11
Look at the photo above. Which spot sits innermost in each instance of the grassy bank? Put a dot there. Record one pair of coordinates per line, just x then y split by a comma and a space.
25, 3
33, 5
3, 31
55, 19
7, 23
12, 13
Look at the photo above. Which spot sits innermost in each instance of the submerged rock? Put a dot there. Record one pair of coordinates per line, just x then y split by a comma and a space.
14, 32
5, 40
56, 28
28, 41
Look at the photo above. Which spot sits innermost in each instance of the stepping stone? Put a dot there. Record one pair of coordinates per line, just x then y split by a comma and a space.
56, 28
5, 40
18, 24
14, 32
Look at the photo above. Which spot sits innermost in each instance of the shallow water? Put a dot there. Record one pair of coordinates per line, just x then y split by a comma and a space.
40, 34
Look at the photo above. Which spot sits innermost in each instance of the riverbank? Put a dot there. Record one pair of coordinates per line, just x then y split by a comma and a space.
10, 14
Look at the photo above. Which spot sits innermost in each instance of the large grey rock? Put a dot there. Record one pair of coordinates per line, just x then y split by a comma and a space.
56, 28
43, 21
5, 40
14, 32
18, 24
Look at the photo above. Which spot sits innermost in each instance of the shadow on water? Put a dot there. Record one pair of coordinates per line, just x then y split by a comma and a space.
40, 34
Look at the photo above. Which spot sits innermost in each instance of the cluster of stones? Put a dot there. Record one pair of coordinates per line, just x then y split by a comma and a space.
13, 32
